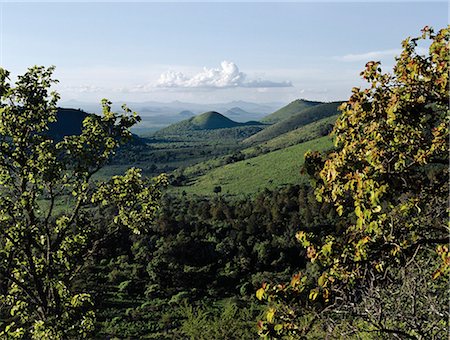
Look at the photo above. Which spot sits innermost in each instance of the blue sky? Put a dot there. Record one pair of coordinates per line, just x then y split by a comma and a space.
209, 52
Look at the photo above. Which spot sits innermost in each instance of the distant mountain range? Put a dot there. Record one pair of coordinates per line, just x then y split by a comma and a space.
157, 115
153, 108
181, 118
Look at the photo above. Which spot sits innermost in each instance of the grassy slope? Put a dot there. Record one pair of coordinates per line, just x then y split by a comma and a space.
297, 136
295, 121
249, 176
288, 110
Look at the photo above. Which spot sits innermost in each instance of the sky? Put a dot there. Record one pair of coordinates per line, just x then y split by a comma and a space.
209, 52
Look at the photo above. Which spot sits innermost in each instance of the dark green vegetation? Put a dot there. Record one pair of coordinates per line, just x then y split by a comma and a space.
208, 253
340, 236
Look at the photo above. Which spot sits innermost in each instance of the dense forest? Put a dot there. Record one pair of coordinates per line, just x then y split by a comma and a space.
213, 229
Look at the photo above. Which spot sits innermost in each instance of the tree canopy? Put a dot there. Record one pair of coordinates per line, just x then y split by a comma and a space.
49, 211
388, 180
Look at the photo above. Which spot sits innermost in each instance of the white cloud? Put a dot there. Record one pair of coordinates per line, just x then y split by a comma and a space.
226, 76
376, 55
266, 83
314, 91
368, 55
82, 89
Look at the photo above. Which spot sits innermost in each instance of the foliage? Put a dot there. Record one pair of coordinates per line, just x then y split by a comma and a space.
229, 322
388, 180
43, 250
201, 250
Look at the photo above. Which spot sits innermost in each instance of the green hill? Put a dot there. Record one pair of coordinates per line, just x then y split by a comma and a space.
252, 175
288, 110
295, 121
212, 120
206, 121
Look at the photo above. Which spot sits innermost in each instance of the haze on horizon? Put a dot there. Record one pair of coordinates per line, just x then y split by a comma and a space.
209, 52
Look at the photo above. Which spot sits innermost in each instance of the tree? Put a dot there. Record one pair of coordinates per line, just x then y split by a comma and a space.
388, 180
48, 227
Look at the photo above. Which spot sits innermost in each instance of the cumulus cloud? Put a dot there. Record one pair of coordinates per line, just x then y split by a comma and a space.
227, 75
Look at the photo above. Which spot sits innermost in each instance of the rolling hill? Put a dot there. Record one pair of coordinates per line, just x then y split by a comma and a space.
295, 121
206, 121
289, 110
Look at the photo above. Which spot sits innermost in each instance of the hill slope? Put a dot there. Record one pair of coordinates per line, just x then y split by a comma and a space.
252, 175
297, 120
300, 135
288, 110
206, 121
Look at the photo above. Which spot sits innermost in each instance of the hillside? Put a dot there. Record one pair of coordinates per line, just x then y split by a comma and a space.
68, 122
289, 110
297, 120
206, 121
265, 171
300, 135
